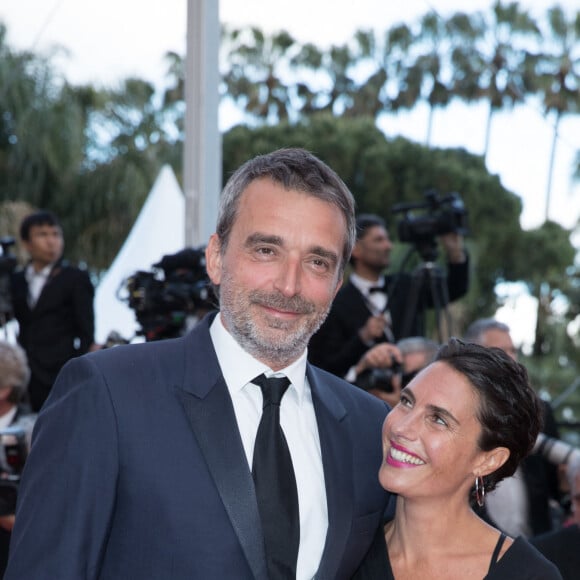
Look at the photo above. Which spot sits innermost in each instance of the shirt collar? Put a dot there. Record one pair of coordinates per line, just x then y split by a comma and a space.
239, 367
43, 273
365, 285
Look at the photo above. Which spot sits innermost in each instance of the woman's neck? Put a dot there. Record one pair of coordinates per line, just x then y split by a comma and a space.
429, 525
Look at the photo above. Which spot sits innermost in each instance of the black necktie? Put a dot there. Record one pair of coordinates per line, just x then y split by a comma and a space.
275, 484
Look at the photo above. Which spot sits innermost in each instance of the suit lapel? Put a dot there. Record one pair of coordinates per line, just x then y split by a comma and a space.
336, 460
209, 408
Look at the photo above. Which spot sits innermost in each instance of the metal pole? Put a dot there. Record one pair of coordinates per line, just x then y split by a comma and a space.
202, 148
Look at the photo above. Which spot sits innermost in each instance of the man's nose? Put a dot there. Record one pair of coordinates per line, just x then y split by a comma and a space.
289, 276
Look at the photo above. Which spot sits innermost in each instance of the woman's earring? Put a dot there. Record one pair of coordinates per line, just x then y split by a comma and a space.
479, 491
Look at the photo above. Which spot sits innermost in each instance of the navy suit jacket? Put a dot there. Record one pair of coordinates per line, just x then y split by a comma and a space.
137, 471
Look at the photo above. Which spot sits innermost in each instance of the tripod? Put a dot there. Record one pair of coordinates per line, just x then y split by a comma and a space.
428, 290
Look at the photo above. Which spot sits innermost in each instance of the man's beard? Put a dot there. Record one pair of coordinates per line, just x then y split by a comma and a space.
269, 339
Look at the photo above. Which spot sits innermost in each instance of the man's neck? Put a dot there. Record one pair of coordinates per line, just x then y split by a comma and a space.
39, 266
368, 274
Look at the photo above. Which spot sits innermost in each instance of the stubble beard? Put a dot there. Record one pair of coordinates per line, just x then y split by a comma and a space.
272, 340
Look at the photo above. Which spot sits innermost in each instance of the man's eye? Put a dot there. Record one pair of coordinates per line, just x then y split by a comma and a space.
320, 263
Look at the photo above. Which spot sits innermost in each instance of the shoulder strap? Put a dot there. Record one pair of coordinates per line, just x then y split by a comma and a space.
496, 551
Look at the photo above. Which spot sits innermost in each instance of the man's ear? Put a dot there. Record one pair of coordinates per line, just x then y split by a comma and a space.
338, 286
491, 461
355, 250
213, 259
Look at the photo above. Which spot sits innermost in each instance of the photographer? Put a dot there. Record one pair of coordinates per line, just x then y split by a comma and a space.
14, 376
386, 382
369, 312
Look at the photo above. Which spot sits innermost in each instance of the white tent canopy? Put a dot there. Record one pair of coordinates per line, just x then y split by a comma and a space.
158, 230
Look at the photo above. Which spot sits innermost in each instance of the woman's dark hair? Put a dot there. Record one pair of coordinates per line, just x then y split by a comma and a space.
509, 409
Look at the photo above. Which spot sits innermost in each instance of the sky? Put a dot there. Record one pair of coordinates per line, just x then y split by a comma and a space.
107, 41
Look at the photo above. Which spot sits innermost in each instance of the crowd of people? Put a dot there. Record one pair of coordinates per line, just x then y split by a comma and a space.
305, 428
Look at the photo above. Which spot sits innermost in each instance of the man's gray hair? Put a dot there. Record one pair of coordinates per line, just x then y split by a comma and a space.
296, 169
413, 344
478, 328
14, 370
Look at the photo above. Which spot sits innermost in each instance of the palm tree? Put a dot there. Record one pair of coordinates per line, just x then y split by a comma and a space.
491, 61
558, 75
254, 66
422, 65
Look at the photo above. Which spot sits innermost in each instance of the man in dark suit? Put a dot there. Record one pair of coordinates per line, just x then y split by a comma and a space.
372, 311
562, 546
53, 304
143, 460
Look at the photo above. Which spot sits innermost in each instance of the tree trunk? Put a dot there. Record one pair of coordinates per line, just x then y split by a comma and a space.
551, 165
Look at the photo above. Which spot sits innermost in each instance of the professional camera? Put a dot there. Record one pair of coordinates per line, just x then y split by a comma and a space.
163, 299
379, 379
442, 215
7, 266
13, 453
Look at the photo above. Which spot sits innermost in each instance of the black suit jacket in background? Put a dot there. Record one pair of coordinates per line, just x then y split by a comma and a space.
336, 347
59, 327
562, 547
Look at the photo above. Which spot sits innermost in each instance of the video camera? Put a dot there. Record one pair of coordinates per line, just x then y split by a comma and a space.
164, 298
13, 454
443, 215
8, 264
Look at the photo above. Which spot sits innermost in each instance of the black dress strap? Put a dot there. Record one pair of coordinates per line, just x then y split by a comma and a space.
496, 551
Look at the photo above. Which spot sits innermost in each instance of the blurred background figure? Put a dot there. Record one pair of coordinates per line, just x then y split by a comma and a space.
415, 353
521, 505
563, 546
16, 423
53, 304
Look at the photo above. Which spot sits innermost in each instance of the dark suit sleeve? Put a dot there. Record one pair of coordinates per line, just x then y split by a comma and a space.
336, 347
457, 279
68, 487
83, 308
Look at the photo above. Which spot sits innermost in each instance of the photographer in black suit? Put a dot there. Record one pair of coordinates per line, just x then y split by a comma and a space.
53, 304
369, 313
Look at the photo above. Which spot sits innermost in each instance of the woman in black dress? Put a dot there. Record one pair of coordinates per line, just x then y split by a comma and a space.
462, 425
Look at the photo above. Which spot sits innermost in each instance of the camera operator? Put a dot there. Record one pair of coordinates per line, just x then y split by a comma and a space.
369, 311
14, 376
172, 298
